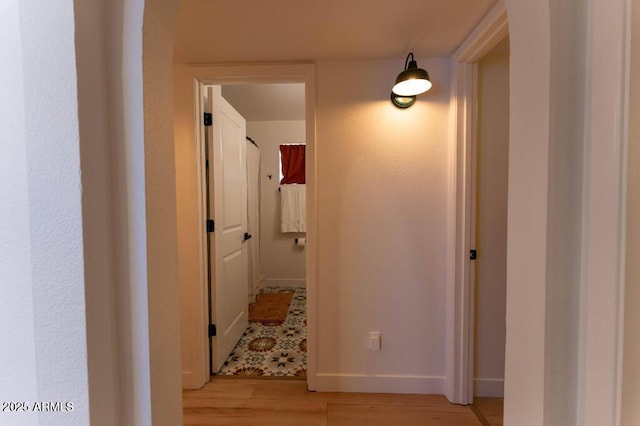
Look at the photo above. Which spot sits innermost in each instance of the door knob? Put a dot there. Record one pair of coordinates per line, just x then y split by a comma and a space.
247, 236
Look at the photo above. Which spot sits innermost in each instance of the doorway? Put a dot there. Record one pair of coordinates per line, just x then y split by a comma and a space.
489, 234
273, 342
190, 82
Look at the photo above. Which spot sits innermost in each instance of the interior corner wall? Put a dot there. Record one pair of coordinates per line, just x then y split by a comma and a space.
631, 368
161, 222
382, 218
492, 156
529, 36
187, 218
127, 188
142, 207
565, 210
94, 126
282, 262
545, 212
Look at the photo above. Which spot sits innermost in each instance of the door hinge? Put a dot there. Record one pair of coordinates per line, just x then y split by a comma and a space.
212, 330
211, 226
473, 255
208, 119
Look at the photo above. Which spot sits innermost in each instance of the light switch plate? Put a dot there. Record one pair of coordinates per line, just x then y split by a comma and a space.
374, 341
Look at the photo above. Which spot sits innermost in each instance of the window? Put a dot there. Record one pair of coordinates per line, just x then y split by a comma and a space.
292, 163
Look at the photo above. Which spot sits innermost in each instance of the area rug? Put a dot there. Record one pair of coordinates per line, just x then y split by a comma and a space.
272, 351
270, 308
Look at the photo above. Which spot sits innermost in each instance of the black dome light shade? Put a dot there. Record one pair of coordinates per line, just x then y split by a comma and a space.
409, 83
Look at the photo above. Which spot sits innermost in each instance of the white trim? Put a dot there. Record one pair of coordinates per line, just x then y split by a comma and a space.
485, 36
284, 282
489, 388
604, 206
381, 383
489, 32
201, 344
257, 73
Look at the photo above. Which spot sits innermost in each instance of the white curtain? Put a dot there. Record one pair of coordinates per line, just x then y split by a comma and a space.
253, 217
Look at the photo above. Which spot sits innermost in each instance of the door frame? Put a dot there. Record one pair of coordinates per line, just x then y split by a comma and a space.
462, 193
204, 75
602, 281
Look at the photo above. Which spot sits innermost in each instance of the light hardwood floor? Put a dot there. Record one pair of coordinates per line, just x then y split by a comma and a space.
287, 402
489, 410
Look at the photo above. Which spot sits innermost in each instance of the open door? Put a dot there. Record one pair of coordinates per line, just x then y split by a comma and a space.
227, 207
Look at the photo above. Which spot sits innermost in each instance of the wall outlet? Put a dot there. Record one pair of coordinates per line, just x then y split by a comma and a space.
374, 341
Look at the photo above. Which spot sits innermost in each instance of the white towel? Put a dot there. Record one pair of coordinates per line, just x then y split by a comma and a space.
293, 208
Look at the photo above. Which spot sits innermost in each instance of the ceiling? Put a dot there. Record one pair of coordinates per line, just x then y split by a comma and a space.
214, 31
210, 31
267, 102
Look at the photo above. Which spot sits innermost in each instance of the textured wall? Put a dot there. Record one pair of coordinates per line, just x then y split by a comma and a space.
45, 277
17, 359
382, 198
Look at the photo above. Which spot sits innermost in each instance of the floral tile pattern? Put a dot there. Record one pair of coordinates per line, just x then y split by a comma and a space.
273, 350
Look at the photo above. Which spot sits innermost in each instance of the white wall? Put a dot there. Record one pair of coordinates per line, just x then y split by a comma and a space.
190, 294
94, 127
563, 228
160, 214
631, 371
81, 325
537, 391
18, 365
491, 225
565, 210
528, 156
382, 206
44, 316
283, 263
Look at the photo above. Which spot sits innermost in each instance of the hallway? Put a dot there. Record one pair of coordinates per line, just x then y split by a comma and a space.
273, 402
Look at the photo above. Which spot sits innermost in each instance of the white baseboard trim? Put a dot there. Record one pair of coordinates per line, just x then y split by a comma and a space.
493, 388
382, 383
283, 282
190, 381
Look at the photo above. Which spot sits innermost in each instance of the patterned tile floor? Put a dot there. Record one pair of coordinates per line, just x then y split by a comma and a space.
273, 350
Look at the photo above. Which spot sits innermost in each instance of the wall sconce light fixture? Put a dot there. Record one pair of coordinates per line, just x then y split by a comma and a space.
409, 83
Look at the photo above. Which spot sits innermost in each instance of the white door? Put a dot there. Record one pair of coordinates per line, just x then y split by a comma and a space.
226, 150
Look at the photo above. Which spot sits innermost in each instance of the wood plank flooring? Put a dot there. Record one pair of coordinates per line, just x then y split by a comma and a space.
287, 402
489, 410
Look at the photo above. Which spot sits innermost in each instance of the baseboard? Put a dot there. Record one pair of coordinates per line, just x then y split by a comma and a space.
261, 282
283, 282
380, 383
190, 381
493, 388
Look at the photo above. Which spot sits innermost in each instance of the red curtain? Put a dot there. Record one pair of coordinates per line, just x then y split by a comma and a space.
292, 163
